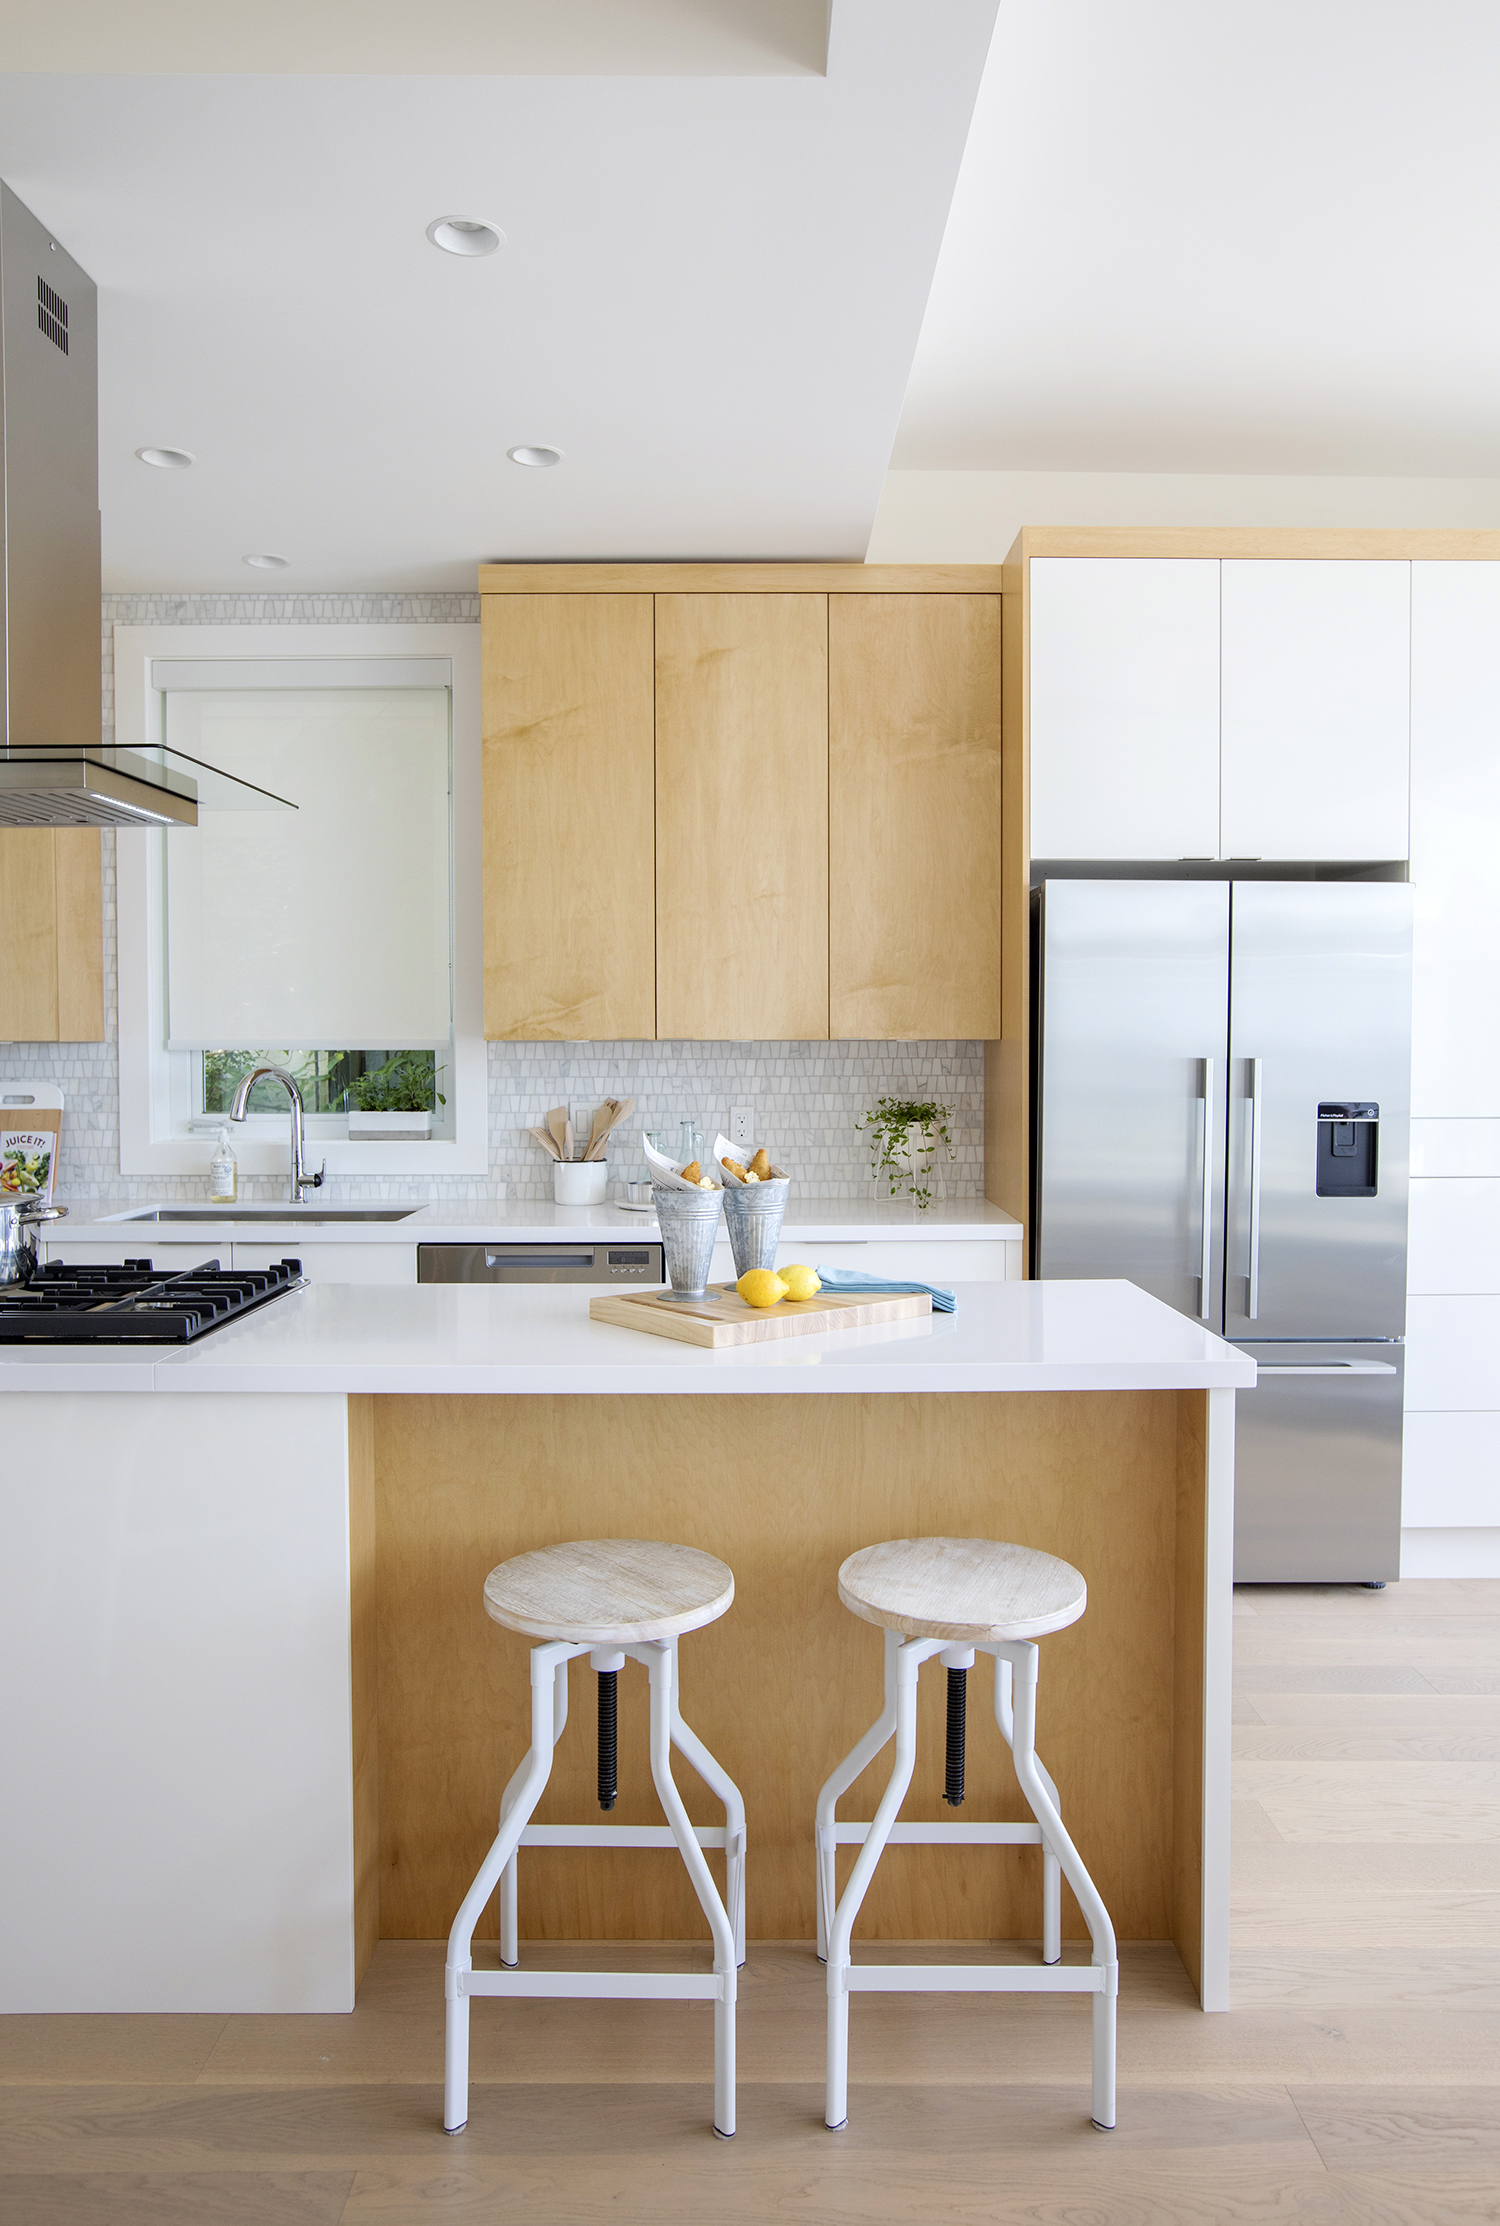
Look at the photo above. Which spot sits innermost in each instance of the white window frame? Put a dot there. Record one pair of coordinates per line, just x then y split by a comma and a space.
158, 1132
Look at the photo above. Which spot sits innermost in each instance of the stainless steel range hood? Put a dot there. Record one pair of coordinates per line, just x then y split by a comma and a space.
55, 770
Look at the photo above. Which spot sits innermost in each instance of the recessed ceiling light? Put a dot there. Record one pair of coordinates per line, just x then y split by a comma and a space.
268, 563
165, 459
539, 459
464, 235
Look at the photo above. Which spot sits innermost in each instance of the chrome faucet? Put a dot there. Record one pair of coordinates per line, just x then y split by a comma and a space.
301, 1180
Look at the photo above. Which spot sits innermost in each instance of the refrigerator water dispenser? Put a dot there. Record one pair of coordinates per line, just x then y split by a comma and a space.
1348, 1150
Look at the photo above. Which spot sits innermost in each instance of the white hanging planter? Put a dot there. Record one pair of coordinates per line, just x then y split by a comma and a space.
389, 1128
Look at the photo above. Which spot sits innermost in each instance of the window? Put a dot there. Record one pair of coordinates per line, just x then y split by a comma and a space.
330, 1081
344, 933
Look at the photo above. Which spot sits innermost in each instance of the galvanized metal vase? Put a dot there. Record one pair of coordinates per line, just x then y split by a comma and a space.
689, 1222
754, 1214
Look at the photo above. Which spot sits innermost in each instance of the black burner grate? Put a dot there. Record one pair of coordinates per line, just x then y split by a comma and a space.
133, 1305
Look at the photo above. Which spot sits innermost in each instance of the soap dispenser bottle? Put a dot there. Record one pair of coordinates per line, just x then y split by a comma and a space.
223, 1173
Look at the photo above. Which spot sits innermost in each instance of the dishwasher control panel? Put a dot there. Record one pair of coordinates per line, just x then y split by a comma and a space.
541, 1263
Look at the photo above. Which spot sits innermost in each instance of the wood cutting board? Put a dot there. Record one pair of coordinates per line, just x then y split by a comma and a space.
723, 1319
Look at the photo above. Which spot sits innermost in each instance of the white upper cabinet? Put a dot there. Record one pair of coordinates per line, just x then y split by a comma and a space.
1455, 809
1124, 707
1316, 709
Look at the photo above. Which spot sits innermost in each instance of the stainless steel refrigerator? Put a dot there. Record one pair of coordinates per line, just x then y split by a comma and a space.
1222, 1082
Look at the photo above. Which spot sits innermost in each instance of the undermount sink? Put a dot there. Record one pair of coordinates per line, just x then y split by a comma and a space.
220, 1214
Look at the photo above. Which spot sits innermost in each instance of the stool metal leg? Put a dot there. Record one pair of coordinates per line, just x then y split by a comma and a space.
723, 1788
1041, 1795
859, 1758
660, 1657
523, 1796
904, 1661
1051, 1871
510, 1954
1015, 1713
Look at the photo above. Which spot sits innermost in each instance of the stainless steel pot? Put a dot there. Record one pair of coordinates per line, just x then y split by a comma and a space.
18, 1238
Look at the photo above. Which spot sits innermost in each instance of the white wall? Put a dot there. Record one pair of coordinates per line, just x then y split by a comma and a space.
972, 517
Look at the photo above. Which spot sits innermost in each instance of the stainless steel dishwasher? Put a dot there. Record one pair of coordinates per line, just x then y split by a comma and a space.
605, 1262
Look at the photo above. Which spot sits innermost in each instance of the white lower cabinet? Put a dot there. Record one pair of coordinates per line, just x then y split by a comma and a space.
1455, 1148
142, 1244
1453, 1355
1453, 1239
336, 1263
321, 1263
1450, 1476
946, 1261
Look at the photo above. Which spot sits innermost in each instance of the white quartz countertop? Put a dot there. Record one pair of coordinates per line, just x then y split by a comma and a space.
339, 1337
811, 1220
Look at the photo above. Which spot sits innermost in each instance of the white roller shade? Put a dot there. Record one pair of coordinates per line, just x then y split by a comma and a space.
327, 928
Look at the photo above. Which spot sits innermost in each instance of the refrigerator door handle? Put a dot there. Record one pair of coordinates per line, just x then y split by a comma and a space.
1205, 1258
1325, 1368
1252, 1301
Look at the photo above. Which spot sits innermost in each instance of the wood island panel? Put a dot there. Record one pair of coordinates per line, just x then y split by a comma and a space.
783, 1488
742, 817
364, 1679
1187, 1743
569, 785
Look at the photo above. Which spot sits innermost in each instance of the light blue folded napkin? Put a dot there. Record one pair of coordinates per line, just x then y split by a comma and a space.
850, 1279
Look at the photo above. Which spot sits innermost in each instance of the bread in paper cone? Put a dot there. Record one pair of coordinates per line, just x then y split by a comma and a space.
667, 1173
734, 1166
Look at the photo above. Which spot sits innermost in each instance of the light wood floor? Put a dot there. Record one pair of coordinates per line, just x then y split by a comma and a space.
1356, 2082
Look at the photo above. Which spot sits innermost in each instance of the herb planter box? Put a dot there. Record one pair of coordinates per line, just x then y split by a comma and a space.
389, 1128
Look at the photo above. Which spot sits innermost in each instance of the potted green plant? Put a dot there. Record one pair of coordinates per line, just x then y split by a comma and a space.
394, 1102
904, 1135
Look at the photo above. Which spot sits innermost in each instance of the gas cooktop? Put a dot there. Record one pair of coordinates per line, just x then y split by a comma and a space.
133, 1305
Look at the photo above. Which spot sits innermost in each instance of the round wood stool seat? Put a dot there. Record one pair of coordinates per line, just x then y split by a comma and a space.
609, 1591
968, 1590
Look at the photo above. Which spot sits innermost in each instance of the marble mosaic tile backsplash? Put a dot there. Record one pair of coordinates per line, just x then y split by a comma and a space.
807, 1096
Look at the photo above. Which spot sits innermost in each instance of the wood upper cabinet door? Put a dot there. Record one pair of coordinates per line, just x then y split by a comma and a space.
1316, 708
741, 816
914, 812
1124, 707
52, 935
569, 948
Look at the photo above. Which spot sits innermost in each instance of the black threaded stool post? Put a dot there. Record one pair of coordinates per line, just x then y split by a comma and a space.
609, 1681
958, 1702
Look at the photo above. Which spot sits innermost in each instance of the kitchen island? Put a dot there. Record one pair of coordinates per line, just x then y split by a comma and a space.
240, 1606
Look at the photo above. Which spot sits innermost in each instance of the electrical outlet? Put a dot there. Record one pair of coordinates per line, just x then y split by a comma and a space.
742, 1125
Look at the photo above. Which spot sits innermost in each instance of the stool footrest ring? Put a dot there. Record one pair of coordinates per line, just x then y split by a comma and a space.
627, 1835
978, 1978
936, 1835
599, 1986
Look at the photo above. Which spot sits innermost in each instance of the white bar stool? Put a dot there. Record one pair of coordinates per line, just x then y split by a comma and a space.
612, 1599
955, 1597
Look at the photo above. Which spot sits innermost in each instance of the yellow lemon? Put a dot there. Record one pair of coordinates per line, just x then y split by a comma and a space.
801, 1282
761, 1287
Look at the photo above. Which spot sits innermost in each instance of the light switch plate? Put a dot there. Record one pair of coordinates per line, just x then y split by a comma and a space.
742, 1125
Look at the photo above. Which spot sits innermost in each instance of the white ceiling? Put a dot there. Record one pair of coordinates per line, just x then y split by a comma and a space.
709, 298
1222, 238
